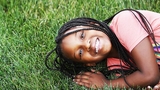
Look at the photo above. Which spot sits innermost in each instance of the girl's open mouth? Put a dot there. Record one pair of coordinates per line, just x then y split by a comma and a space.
97, 46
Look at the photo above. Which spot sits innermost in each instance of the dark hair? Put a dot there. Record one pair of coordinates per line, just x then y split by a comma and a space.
70, 68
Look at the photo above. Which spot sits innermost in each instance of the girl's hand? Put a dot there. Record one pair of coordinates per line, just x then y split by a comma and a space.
93, 79
156, 87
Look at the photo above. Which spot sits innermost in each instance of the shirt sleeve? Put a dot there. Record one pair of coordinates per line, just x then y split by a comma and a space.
128, 29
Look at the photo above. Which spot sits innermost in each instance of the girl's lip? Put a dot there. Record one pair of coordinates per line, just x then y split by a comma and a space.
93, 46
97, 45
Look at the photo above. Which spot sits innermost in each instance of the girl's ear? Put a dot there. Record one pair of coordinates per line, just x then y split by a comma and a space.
90, 64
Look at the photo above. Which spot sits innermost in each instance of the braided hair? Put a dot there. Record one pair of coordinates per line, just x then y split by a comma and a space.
70, 68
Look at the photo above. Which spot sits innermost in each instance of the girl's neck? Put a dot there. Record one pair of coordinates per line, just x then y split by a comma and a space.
113, 53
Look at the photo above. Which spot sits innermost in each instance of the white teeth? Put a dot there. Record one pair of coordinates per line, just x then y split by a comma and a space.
97, 45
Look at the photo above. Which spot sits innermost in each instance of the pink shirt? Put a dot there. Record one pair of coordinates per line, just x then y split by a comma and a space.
130, 32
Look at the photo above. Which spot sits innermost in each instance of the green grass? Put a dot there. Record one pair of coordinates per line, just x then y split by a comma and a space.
27, 32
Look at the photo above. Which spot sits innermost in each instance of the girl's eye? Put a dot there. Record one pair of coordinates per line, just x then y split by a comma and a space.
80, 53
82, 35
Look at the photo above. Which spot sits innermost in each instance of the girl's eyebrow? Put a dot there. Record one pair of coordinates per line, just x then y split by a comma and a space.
75, 51
75, 34
75, 56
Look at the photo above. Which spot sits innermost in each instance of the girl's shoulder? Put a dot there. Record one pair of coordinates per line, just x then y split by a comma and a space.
127, 27
127, 14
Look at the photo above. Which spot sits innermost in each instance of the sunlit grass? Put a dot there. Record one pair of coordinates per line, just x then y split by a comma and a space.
27, 32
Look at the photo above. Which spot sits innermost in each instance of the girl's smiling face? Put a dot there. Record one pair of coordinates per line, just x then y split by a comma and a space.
86, 46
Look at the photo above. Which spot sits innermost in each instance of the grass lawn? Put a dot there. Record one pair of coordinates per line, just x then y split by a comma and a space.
27, 32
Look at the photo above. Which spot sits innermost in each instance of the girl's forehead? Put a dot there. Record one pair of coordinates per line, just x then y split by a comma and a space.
76, 28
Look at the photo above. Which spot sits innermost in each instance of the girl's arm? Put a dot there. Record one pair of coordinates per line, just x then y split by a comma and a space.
144, 57
148, 73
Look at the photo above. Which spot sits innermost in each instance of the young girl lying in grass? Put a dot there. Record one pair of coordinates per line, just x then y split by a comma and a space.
127, 43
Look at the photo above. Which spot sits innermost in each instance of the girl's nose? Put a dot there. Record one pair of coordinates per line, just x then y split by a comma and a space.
88, 44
